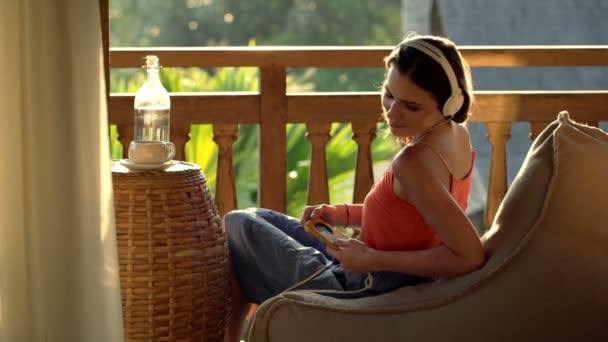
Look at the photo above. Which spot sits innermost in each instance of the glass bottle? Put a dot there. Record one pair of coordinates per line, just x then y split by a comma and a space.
152, 106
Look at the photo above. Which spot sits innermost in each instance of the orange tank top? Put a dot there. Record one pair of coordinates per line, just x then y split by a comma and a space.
392, 224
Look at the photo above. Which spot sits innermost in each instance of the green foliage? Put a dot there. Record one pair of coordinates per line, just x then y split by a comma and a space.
265, 22
268, 22
341, 22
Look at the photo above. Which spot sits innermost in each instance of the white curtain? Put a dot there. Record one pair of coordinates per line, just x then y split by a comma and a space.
59, 276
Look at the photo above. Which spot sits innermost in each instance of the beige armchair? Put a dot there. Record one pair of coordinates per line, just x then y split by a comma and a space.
546, 277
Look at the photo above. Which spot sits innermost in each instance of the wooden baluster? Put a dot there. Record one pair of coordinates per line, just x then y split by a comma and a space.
224, 136
363, 134
498, 135
318, 188
536, 127
125, 136
180, 134
273, 138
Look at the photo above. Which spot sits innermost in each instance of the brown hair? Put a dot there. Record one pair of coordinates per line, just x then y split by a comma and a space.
429, 75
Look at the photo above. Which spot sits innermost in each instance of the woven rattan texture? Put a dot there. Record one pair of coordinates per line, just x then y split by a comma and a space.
173, 257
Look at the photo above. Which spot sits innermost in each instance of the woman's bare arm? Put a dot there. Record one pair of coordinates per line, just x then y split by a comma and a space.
420, 173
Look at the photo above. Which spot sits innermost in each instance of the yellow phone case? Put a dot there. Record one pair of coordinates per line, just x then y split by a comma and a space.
321, 230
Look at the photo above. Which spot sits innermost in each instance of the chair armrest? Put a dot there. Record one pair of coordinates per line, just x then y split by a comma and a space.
400, 314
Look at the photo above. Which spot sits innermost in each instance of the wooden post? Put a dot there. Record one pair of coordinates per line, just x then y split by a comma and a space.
363, 134
224, 136
498, 135
318, 188
180, 135
273, 138
125, 136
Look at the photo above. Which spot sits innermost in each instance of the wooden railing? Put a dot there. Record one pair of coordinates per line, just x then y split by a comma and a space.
272, 108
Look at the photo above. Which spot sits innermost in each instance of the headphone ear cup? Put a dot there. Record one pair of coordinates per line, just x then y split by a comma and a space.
453, 104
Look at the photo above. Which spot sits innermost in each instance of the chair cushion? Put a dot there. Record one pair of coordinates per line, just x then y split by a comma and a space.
560, 187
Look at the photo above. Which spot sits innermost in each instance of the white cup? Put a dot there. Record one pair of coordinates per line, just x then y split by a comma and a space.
151, 152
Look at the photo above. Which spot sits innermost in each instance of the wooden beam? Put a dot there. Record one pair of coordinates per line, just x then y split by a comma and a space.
326, 57
243, 107
512, 106
490, 106
527, 56
355, 56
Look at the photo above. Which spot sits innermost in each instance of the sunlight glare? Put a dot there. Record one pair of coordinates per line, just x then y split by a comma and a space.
154, 31
228, 18
198, 3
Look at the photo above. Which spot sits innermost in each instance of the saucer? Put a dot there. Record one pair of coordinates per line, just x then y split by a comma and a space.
146, 167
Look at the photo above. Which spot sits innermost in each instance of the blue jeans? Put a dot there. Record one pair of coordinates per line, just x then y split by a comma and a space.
271, 251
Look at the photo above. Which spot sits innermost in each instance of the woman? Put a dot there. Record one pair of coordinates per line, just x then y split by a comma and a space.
413, 222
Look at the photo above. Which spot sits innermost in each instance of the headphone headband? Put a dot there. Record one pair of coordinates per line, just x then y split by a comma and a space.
456, 100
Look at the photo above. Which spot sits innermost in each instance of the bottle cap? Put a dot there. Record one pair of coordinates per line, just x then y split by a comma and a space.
151, 61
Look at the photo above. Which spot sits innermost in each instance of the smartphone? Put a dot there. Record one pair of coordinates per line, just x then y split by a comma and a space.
322, 231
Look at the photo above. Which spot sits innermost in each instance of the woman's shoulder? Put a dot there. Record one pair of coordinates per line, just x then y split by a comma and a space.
458, 153
415, 172
415, 160
440, 157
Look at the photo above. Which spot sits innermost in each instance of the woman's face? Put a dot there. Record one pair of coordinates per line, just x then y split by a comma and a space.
408, 109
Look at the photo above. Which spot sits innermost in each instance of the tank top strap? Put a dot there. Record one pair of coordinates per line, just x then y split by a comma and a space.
436, 153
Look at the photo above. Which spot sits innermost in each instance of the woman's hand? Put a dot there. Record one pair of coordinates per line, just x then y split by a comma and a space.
354, 255
328, 213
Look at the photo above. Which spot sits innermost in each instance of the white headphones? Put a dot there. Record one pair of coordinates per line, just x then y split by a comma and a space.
456, 100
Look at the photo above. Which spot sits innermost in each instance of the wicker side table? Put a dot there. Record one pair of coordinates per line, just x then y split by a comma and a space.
173, 255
